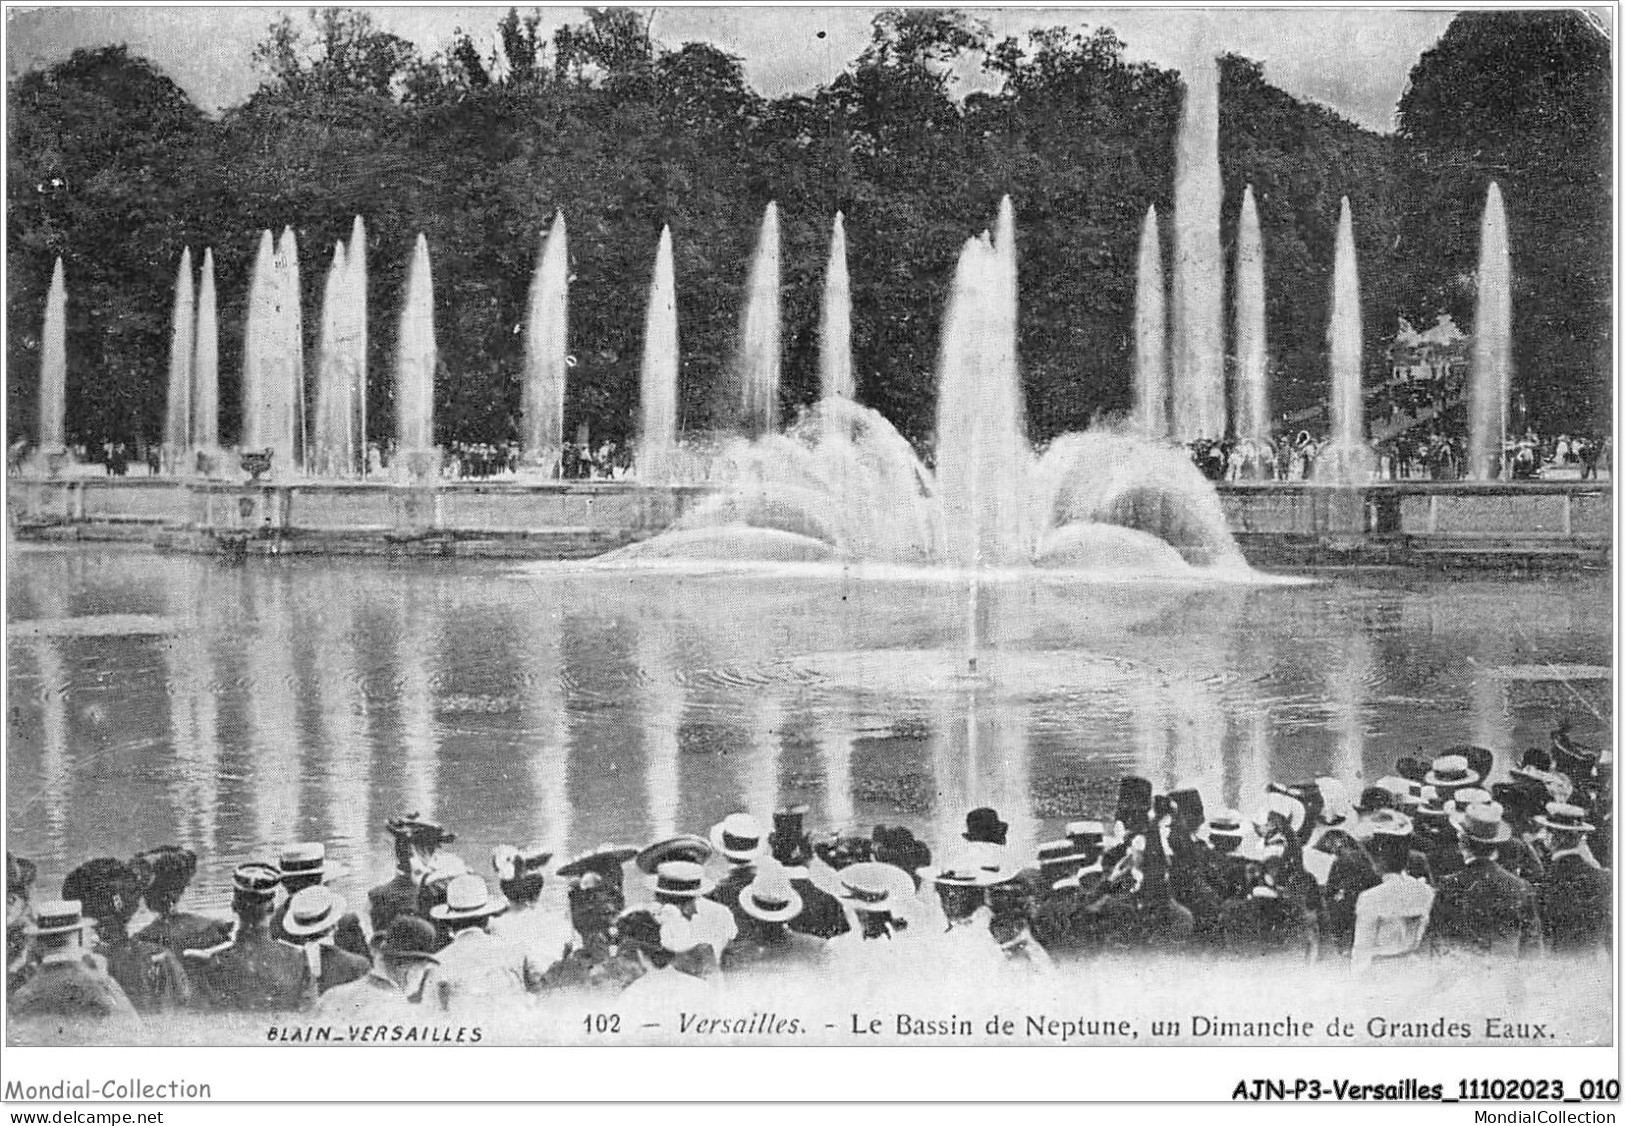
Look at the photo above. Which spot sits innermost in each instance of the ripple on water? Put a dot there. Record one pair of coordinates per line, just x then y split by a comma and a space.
97, 625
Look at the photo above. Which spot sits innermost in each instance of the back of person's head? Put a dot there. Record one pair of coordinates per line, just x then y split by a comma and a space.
639, 931
106, 888
1389, 852
164, 873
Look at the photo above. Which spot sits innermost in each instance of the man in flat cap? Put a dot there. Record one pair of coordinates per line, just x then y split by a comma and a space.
253, 972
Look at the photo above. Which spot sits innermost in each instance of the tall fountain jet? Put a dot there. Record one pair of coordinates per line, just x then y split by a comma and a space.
206, 367
1348, 453
415, 361
657, 429
1490, 386
354, 326
271, 397
983, 461
291, 332
53, 374
178, 423
333, 448
1198, 359
1151, 334
1252, 353
546, 353
835, 330
759, 333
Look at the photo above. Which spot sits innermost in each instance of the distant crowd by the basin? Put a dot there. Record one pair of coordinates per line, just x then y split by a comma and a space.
1466, 865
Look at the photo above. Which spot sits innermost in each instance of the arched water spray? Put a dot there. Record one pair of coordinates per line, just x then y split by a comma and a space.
334, 453
53, 361
657, 431
206, 364
1198, 360
178, 422
835, 330
415, 361
1252, 354
546, 353
1347, 453
1490, 387
1151, 334
759, 333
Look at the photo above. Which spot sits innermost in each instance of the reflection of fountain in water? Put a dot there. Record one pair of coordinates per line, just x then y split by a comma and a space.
341, 708
417, 727
549, 740
274, 744
1490, 391
1254, 770
763, 723
56, 762
1351, 680
193, 715
662, 712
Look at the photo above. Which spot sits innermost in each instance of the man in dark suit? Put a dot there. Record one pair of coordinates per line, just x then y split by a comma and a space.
821, 914
739, 838
254, 972
1483, 909
310, 920
1576, 897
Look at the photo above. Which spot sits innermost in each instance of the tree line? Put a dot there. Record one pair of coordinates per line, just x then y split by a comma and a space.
113, 168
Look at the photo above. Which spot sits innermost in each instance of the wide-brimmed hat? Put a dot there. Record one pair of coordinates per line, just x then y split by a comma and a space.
1373, 798
105, 888
870, 885
512, 863
168, 868
967, 871
1452, 772
1384, 823
420, 832
1565, 818
985, 825
255, 880
1484, 823
467, 897
1480, 760
313, 910
409, 939
58, 916
606, 863
1064, 853
685, 846
307, 858
1431, 806
681, 879
739, 838
770, 898
1466, 796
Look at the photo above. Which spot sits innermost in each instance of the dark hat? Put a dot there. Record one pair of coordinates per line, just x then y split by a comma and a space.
20, 873
1190, 806
105, 888
638, 930
1373, 798
1520, 798
686, 846
410, 938
897, 845
841, 852
605, 863
1565, 818
1414, 769
789, 822
168, 868
411, 827
1538, 758
256, 881
983, 824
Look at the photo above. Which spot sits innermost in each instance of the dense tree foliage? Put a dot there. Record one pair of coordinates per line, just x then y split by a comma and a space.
112, 168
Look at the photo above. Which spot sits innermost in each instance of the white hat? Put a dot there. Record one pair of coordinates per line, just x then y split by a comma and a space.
467, 897
312, 911
739, 837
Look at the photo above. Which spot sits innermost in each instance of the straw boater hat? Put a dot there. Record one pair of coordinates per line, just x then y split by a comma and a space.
467, 897
58, 916
1482, 824
739, 837
870, 885
966, 871
312, 911
604, 863
770, 898
1565, 818
1384, 823
1469, 796
1432, 807
685, 846
681, 879
1086, 834
1226, 824
1064, 853
1452, 772
308, 858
